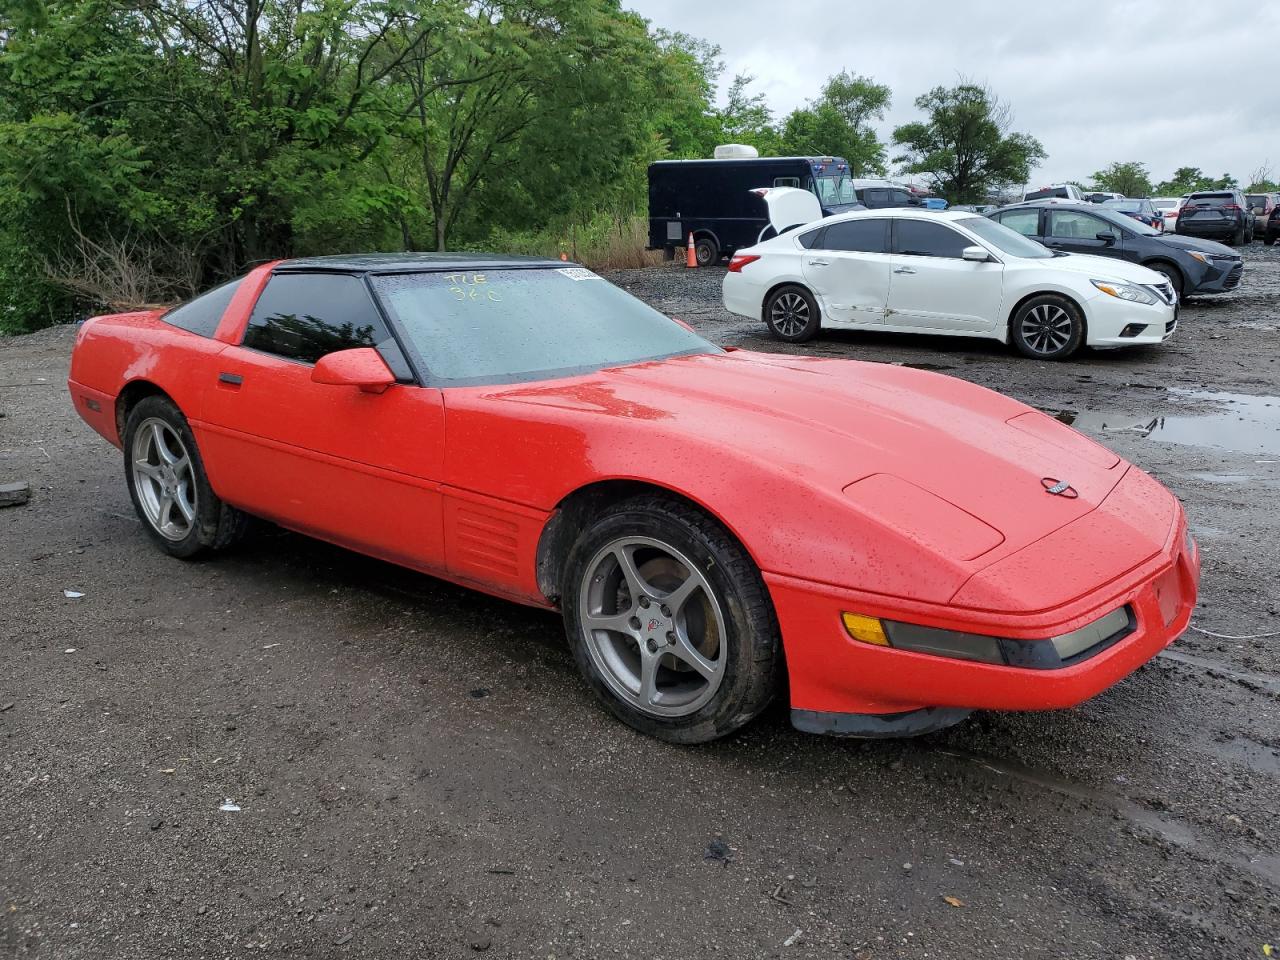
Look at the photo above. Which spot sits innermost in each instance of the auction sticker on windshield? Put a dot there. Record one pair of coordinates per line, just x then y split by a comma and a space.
578, 273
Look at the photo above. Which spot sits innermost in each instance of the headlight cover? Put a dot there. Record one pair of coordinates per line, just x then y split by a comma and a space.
1049, 654
1202, 257
1125, 291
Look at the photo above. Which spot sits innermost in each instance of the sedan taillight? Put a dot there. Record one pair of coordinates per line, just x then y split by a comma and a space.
740, 260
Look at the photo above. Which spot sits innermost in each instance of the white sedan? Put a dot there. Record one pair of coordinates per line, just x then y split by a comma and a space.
950, 273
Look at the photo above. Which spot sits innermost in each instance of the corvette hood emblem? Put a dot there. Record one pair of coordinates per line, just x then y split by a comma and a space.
1059, 488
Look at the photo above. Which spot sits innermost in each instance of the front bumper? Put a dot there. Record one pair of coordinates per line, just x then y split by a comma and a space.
832, 674
1222, 277
1107, 317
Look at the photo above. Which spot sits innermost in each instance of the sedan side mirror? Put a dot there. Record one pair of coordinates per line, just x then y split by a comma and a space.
975, 254
361, 367
1106, 237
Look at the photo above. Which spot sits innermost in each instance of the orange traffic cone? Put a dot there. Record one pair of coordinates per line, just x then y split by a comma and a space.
564, 257
691, 255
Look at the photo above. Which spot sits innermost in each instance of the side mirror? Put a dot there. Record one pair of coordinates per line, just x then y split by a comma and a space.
975, 254
1106, 237
361, 367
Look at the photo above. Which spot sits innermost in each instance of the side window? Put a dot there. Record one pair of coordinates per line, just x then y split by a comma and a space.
786, 182
1025, 222
303, 316
923, 238
807, 240
901, 198
863, 236
1071, 225
203, 314
877, 198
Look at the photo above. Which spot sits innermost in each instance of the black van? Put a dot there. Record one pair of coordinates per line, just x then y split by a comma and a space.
712, 199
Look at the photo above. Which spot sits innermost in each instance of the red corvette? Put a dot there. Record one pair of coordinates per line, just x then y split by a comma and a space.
909, 546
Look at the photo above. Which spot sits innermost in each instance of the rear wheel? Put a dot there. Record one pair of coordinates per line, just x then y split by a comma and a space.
168, 485
1238, 239
670, 622
792, 314
1048, 327
1269, 239
707, 251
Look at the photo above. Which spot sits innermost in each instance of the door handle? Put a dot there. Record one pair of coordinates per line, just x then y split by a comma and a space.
819, 263
230, 379
904, 269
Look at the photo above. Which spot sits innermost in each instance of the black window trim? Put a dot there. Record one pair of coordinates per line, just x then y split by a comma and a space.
362, 277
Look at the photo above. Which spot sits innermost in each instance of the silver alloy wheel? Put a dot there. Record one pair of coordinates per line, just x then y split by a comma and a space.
653, 626
164, 479
1047, 328
790, 314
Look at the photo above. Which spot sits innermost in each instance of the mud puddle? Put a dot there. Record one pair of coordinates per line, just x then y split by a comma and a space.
1242, 423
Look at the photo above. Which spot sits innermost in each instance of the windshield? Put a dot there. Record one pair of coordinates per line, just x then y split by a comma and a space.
1005, 240
1256, 200
513, 325
1047, 193
1109, 214
1131, 206
833, 191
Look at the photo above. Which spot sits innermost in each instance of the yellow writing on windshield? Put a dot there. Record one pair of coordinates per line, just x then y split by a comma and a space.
472, 287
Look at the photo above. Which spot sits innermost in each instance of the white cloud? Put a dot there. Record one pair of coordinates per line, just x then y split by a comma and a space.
1167, 82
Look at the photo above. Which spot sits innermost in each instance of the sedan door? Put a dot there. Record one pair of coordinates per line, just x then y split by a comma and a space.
1075, 231
359, 469
933, 288
848, 267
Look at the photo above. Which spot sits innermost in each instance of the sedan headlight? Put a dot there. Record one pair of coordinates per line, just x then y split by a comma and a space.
1202, 257
1125, 291
1048, 654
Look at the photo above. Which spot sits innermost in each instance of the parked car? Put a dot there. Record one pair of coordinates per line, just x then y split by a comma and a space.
1217, 215
884, 194
1168, 207
1191, 265
1260, 206
612, 465
940, 272
712, 199
1144, 211
1102, 196
1273, 227
1062, 191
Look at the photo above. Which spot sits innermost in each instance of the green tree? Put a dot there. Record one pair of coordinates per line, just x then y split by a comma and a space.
746, 117
1130, 179
965, 146
838, 123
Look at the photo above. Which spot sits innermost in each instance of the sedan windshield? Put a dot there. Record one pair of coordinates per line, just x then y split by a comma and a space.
513, 325
1005, 240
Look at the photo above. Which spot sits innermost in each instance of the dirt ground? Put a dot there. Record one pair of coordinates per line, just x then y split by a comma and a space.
420, 773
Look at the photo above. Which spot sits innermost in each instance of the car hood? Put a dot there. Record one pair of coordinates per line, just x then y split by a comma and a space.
1194, 243
960, 467
1105, 268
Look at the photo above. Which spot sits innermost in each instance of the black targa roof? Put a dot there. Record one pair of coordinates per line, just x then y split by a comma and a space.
415, 262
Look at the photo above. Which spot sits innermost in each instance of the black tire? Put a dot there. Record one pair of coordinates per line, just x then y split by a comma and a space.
1047, 327
1171, 273
707, 251
792, 314
1238, 239
1269, 239
728, 616
213, 524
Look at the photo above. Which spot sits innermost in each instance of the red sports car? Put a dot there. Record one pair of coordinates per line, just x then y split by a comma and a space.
902, 547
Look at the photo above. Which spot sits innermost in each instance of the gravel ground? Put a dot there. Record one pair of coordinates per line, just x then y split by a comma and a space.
419, 772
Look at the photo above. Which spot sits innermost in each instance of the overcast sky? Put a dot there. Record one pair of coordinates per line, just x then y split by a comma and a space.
1166, 82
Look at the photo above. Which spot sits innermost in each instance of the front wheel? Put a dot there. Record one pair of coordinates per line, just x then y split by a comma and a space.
670, 622
1048, 327
1172, 274
792, 314
168, 485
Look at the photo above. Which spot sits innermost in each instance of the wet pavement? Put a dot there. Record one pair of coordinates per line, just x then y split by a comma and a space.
419, 772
